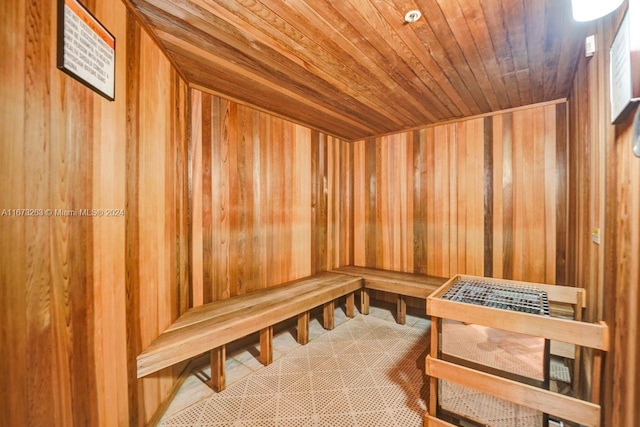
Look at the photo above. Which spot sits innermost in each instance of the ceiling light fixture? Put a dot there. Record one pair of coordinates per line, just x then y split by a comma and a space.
412, 16
588, 10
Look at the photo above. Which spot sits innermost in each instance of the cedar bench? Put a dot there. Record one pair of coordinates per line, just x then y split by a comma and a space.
400, 283
211, 326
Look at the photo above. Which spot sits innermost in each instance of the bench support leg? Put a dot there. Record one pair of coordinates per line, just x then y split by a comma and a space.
328, 315
218, 357
364, 301
266, 345
351, 305
401, 308
303, 328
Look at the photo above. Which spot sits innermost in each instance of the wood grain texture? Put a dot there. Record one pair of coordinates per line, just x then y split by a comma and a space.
81, 292
355, 70
270, 200
266, 345
303, 328
19, 392
529, 216
156, 204
584, 413
218, 357
472, 196
488, 197
221, 322
408, 284
604, 192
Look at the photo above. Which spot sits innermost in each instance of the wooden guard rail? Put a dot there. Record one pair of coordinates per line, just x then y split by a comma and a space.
595, 336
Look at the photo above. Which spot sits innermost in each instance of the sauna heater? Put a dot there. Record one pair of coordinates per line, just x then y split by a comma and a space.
511, 355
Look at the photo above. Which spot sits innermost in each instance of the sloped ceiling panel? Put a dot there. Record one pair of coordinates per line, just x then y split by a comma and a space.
355, 69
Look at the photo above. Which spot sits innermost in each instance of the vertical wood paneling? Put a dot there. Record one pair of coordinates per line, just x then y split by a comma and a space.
604, 192
15, 398
562, 191
369, 199
206, 214
419, 205
279, 199
110, 315
339, 203
158, 267
319, 201
302, 212
387, 197
83, 294
488, 197
507, 198
195, 200
528, 188
132, 227
360, 184
477, 196
37, 285
474, 170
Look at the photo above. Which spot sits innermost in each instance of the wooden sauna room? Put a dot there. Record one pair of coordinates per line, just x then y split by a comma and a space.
283, 212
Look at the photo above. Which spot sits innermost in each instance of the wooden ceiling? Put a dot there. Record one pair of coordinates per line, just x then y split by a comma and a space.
355, 69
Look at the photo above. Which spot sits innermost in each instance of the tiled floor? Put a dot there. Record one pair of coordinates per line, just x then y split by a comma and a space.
479, 406
367, 371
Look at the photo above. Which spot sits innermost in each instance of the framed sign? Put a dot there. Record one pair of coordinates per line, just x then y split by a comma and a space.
620, 72
86, 49
635, 135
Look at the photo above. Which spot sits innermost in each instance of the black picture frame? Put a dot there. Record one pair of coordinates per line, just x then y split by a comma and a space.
635, 134
63, 49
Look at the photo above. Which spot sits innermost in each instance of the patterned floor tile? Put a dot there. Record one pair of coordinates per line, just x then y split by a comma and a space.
364, 372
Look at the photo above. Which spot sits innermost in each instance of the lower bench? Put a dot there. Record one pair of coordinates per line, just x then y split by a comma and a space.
400, 283
211, 326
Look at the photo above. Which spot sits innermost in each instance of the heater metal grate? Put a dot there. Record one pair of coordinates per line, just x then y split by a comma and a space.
525, 299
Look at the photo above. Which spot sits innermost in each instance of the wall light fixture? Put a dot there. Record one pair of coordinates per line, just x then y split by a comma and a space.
588, 10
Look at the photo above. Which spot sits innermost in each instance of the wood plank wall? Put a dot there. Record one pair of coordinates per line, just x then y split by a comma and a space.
157, 233
605, 193
270, 200
484, 196
81, 295
84, 295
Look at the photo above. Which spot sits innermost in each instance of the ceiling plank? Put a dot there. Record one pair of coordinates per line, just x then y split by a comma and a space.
354, 69
261, 23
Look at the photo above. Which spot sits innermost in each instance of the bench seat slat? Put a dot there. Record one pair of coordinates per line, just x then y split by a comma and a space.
264, 296
410, 284
198, 334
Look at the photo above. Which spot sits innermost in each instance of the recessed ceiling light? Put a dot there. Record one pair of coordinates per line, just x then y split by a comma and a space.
412, 16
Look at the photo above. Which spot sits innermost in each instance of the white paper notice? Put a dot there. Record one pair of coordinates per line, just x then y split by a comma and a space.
620, 69
89, 50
